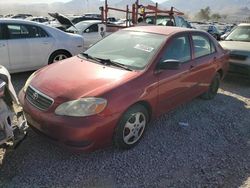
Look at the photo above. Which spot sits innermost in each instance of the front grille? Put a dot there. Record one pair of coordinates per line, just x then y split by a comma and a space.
238, 57
38, 99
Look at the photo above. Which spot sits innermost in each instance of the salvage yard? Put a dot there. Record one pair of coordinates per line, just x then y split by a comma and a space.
211, 148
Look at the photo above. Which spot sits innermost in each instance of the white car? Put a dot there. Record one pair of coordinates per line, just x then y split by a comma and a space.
88, 29
26, 45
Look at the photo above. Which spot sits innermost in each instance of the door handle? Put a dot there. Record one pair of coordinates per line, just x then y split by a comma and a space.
192, 66
2, 45
45, 42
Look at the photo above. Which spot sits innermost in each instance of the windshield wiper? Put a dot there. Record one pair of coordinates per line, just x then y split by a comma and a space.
87, 56
110, 62
106, 61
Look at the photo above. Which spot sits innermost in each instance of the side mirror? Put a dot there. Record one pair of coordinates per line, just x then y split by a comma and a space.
86, 31
169, 64
2, 87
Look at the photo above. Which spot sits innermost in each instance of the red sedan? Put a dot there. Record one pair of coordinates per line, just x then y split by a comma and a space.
109, 93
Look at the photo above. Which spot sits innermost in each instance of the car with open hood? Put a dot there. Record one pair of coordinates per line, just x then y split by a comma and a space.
109, 94
88, 29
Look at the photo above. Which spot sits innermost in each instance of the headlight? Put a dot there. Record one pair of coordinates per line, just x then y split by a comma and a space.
28, 82
82, 107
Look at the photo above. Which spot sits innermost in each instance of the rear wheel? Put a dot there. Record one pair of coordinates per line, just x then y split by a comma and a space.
213, 88
58, 56
131, 127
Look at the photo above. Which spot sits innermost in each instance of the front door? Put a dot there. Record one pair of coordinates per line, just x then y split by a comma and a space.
176, 86
91, 35
4, 54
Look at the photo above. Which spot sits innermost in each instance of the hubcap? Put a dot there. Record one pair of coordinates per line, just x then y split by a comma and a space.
134, 128
59, 58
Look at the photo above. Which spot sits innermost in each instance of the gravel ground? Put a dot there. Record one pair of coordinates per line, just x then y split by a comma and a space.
212, 151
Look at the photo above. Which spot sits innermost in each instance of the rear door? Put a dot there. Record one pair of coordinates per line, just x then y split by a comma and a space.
40, 44
204, 54
4, 54
176, 86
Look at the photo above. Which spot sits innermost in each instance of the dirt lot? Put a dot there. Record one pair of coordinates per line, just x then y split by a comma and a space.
212, 151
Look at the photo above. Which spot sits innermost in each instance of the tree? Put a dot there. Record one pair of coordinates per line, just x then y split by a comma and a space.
204, 14
215, 16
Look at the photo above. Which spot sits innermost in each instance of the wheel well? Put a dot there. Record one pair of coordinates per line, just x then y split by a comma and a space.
64, 51
221, 73
147, 106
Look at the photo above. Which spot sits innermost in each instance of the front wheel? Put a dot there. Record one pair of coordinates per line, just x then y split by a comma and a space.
131, 127
213, 88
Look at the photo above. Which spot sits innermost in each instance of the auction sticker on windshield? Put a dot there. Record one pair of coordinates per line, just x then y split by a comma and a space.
143, 47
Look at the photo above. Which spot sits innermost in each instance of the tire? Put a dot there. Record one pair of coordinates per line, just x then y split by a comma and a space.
58, 56
131, 127
213, 88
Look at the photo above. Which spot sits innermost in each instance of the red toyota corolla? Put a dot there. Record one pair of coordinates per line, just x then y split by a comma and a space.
109, 93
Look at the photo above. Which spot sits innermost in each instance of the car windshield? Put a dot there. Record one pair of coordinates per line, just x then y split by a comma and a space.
129, 48
161, 20
241, 33
79, 26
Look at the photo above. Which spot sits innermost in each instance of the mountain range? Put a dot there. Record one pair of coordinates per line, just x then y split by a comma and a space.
230, 7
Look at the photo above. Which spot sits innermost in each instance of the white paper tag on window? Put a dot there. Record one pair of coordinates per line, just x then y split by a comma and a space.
143, 47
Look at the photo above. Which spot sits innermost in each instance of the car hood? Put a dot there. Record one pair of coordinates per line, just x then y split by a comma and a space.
75, 77
62, 19
236, 45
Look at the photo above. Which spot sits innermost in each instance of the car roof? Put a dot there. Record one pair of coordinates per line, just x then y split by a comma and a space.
163, 30
91, 21
21, 21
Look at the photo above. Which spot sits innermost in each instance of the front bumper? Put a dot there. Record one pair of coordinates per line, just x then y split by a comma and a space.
83, 134
243, 69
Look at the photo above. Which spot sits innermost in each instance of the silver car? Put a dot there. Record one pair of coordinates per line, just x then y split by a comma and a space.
238, 42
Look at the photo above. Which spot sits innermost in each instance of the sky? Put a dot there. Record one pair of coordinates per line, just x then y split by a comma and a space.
49, 1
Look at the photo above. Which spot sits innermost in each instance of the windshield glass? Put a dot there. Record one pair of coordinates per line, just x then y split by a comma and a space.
129, 48
241, 33
161, 20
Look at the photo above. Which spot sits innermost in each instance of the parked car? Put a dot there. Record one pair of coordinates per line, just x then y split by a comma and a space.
38, 19
21, 16
93, 15
26, 45
211, 29
109, 93
168, 20
64, 22
89, 30
238, 42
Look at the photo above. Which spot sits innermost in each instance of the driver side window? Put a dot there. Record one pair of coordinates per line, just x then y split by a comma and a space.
178, 49
92, 28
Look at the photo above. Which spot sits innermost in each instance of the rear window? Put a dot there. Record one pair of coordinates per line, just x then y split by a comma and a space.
202, 46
